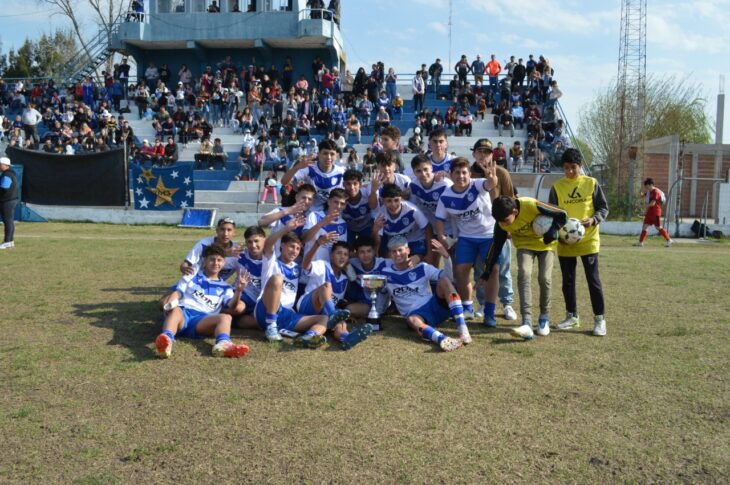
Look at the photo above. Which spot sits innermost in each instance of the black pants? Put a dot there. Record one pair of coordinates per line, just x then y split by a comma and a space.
590, 266
7, 209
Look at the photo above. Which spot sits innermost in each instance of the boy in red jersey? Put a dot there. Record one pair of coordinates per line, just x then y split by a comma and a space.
653, 215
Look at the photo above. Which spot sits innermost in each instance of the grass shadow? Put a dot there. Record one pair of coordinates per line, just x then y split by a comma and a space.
134, 324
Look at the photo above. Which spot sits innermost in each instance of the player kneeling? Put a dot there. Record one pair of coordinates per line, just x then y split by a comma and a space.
193, 309
410, 288
326, 289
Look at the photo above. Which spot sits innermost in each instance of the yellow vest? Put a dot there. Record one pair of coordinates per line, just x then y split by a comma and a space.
523, 236
576, 198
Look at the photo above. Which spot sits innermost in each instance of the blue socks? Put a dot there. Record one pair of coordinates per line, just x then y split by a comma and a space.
468, 306
457, 310
343, 336
432, 334
329, 308
222, 337
309, 334
489, 309
270, 319
169, 334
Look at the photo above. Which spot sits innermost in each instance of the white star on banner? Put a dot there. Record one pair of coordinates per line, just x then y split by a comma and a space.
144, 204
184, 204
187, 181
189, 193
139, 180
175, 174
138, 192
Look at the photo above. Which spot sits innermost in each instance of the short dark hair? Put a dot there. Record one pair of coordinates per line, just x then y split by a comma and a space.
391, 131
338, 192
419, 159
649, 181
363, 241
502, 207
327, 145
459, 162
391, 191
254, 231
214, 250
385, 158
225, 220
571, 155
290, 237
307, 188
352, 175
340, 244
437, 133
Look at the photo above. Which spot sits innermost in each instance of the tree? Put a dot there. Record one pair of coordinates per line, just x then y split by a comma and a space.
46, 57
673, 107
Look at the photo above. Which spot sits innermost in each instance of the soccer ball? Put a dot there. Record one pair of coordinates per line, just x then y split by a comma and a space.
541, 224
572, 231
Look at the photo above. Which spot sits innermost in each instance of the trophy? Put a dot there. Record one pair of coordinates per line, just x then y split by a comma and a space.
373, 284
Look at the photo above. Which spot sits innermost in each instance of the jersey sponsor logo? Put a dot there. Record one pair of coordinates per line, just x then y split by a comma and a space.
470, 214
404, 291
288, 285
200, 296
575, 194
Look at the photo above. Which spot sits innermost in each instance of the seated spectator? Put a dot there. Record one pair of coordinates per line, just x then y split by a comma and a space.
339, 140
219, 154
499, 155
353, 161
338, 119
247, 162
481, 108
516, 156
382, 119
518, 115
204, 155
507, 122
368, 163
159, 151
353, 127
323, 121
397, 104
415, 142
465, 120
170, 156
450, 118
304, 126
146, 153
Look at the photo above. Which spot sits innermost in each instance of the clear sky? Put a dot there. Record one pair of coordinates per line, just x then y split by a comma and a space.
579, 37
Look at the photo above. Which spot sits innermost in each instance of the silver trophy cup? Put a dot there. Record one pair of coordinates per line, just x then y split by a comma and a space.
373, 284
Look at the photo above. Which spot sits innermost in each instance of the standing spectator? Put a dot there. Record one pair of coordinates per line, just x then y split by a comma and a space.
462, 69
152, 75
419, 90
8, 200
477, 68
31, 117
390, 80
493, 69
435, 71
518, 75
653, 217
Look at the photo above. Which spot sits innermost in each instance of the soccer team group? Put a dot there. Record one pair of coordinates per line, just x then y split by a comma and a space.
424, 229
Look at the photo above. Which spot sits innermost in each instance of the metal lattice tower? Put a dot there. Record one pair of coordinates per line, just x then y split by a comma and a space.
631, 94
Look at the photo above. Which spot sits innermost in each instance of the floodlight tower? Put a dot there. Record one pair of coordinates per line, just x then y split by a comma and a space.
631, 96
451, 11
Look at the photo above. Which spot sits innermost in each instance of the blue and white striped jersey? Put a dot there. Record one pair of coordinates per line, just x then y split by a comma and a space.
470, 210
324, 182
358, 215
320, 273
195, 258
410, 288
340, 227
253, 266
409, 223
204, 295
290, 273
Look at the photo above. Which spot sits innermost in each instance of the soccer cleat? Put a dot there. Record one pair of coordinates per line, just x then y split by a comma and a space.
464, 335
524, 332
638, 244
509, 313
226, 348
599, 326
490, 322
478, 315
356, 336
313, 342
337, 317
272, 333
164, 346
543, 326
469, 315
449, 343
570, 321
667, 244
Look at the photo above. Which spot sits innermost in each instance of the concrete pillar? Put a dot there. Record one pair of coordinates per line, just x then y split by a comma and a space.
693, 185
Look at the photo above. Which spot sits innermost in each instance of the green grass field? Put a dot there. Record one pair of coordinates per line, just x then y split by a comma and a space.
85, 400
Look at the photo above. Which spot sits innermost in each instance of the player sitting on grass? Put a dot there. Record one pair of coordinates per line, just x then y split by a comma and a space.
516, 217
225, 231
400, 218
468, 206
582, 198
196, 304
357, 212
386, 174
329, 222
250, 261
365, 262
326, 289
280, 279
410, 288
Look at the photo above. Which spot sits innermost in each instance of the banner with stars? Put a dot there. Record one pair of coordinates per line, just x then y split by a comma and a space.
163, 189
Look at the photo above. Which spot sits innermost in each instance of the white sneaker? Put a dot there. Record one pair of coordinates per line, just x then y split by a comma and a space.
638, 244
571, 321
4, 246
272, 333
464, 335
524, 331
543, 326
449, 344
599, 326
509, 313
669, 243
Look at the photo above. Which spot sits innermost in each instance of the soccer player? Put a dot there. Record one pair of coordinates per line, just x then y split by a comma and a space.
438, 144
323, 174
250, 261
194, 308
426, 192
390, 139
279, 280
322, 223
365, 262
357, 212
583, 199
277, 218
410, 288
386, 174
398, 217
516, 216
326, 288
468, 206
653, 215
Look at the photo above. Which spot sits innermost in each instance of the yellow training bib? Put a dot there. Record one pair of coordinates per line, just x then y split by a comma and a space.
576, 198
523, 236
